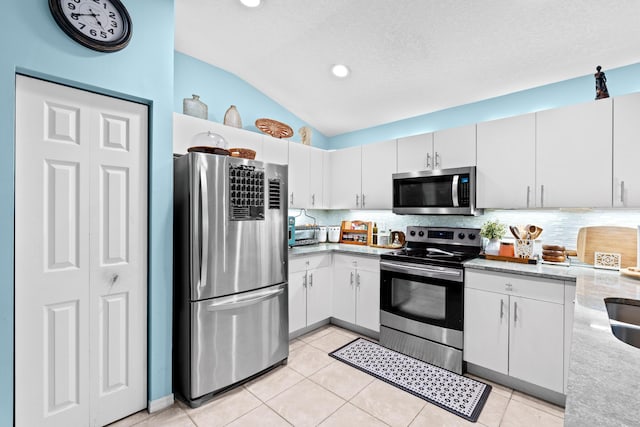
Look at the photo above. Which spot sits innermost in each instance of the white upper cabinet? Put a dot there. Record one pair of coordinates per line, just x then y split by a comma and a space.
626, 151
455, 147
274, 150
415, 153
306, 176
506, 169
298, 196
378, 166
449, 148
346, 175
574, 156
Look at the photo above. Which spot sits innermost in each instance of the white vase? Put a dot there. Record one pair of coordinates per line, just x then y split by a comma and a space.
194, 107
232, 117
493, 247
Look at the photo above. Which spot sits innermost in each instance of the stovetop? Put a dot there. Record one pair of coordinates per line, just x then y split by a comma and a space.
438, 246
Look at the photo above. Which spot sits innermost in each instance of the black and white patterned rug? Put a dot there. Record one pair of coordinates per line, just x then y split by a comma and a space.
460, 395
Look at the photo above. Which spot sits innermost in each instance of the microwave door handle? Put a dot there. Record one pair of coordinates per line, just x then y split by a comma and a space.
204, 220
454, 190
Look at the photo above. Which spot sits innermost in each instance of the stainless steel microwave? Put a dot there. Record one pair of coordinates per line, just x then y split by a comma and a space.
439, 192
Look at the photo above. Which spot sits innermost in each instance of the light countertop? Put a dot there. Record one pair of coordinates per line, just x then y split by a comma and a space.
336, 247
604, 372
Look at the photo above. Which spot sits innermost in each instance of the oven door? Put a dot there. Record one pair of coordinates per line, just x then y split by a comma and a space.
426, 294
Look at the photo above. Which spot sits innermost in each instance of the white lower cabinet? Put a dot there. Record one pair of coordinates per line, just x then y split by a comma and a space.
514, 325
356, 290
309, 290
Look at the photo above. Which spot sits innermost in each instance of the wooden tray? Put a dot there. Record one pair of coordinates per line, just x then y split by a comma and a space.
274, 128
631, 272
509, 259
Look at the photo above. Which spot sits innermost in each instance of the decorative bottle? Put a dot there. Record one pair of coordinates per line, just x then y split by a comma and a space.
375, 233
232, 117
194, 107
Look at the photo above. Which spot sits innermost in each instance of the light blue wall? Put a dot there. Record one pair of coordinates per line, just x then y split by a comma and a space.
34, 45
219, 89
620, 81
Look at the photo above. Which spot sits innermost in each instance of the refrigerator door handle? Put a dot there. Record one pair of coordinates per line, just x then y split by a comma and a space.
204, 220
235, 302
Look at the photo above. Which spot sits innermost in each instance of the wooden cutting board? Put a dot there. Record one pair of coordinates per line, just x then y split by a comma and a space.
619, 240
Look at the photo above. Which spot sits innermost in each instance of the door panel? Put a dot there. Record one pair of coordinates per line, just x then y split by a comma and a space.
81, 257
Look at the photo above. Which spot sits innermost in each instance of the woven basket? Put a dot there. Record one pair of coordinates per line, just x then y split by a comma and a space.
244, 153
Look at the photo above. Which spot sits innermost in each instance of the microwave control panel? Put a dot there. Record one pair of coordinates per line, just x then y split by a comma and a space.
464, 190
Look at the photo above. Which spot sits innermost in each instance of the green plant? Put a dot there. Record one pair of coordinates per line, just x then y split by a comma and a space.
493, 230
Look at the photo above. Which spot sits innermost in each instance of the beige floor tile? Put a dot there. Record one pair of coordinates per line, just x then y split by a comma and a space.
538, 404
262, 416
349, 416
493, 410
317, 333
342, 379
225, 408
434, 416
519, 414
308, 360
305, 404
170, 417
273, 383
496, 388
331, 341
295, 344
388, 403
131, 419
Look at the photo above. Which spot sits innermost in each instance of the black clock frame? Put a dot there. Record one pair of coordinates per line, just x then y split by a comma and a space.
111, 46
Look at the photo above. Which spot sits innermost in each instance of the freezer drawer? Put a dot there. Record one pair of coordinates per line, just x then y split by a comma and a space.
235, 337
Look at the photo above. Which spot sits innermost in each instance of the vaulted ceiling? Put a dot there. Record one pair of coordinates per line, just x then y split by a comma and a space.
407, 57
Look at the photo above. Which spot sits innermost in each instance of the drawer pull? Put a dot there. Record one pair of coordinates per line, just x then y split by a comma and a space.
501, 308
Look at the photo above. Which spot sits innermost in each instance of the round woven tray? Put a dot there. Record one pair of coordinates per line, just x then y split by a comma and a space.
274, 128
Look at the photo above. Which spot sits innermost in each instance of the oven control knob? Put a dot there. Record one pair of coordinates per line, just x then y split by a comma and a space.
412, 232
421, 233
460, 236
472, 236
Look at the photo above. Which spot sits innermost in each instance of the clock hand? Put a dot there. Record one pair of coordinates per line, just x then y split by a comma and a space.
95, 15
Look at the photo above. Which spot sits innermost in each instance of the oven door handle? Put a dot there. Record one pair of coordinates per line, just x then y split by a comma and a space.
421, 271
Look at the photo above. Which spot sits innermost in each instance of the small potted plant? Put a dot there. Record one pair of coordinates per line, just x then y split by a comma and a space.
493, 231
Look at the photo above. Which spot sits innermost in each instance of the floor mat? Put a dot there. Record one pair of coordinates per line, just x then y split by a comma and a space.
460, 395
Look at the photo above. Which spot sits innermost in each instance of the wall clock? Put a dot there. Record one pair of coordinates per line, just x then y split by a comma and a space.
102, 25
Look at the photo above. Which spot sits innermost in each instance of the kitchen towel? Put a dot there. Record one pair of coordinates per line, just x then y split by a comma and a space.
459, 395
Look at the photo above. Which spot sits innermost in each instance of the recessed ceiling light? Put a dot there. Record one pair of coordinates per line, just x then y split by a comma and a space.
251, 3
340, 70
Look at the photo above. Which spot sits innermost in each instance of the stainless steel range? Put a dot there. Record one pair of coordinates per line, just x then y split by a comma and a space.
422, 294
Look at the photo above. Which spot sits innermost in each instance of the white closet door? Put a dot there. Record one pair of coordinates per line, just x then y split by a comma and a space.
80, 256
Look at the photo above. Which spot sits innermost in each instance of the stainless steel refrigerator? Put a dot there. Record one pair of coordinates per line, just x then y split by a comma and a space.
230, 272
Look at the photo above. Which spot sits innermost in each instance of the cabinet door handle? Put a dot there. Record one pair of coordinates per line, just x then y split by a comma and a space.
363, 200
501, 308
622, 192
358, 280
357, 200
428, 160
291, 202
515, 312
313, 199
437, 165
304, 281
351, 281
528, 195
310, 279
542, 196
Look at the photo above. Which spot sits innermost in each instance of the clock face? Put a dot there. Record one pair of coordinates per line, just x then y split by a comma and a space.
102, 25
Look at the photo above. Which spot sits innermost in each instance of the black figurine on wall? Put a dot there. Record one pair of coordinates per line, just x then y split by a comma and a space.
601, 84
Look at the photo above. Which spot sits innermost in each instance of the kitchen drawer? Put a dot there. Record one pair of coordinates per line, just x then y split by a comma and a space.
309, 262
513, 284
359, 262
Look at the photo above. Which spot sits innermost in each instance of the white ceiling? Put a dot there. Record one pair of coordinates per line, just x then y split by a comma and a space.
408, 57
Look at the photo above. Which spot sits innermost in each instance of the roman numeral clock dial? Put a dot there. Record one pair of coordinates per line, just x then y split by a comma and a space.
102, 25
